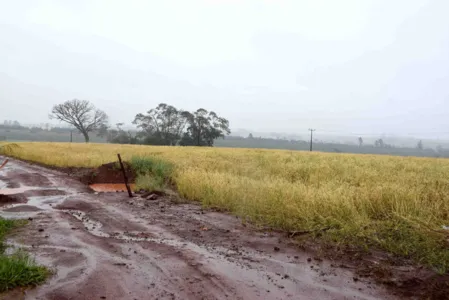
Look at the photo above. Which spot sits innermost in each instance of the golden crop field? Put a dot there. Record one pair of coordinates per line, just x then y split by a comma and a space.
398, 204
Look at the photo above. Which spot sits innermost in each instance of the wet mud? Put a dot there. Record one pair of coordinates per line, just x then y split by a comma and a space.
6, 199
110, 246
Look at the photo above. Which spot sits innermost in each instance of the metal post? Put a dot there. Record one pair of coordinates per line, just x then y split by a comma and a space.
311, 138
124, 176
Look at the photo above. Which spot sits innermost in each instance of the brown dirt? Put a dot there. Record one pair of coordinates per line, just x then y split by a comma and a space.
107, 173
404, 278
108, 245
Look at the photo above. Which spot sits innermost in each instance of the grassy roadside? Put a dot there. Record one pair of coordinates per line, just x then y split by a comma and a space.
152, 173
398, 204
18, 269
405, 238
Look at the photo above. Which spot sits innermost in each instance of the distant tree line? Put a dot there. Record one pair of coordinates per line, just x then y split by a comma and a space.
8, 124
168, 125
162, 125
36, 129
378, 147
15, 125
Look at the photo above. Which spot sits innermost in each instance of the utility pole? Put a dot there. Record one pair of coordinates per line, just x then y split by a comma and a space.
311, 138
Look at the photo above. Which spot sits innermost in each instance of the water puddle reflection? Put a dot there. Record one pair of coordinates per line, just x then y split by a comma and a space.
110, 187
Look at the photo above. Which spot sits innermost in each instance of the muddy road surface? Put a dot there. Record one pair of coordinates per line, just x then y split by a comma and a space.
108, 246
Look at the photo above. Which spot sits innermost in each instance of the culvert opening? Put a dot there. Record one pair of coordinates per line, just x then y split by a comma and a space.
108, 178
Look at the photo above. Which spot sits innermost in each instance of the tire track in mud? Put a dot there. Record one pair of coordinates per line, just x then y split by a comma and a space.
218, 253
95, 228
106, 245
187, 251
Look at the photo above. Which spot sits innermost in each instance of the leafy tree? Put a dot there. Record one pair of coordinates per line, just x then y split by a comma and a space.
166, 125
120, 136
81, 114
102, 131
36, 129
420, 145
162, 125
204, 127
379, 143
360, 141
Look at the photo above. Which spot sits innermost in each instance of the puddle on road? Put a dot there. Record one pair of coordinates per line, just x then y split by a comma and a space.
90, 225
13, 191
96, 229
110, 187
33, 206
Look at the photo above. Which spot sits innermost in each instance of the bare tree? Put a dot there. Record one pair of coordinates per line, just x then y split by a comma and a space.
81, 114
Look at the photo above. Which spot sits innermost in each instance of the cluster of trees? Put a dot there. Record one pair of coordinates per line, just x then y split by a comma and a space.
379, 143
118, 135
163, 125
36, 129
11, 125
168, 125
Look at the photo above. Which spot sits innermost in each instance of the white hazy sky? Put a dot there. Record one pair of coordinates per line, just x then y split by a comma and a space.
350, 66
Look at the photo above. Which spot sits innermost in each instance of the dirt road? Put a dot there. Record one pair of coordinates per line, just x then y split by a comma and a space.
108, 246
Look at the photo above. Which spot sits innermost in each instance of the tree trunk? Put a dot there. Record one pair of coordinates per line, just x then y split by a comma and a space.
198, 139
86, 136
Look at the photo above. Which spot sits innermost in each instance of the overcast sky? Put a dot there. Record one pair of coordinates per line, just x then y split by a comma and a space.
349, 66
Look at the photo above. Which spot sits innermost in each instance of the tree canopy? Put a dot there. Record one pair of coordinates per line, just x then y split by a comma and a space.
162, 125
204, 127
167, 125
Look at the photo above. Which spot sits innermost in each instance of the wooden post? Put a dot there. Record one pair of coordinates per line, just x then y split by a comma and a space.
124, 176
4, 163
